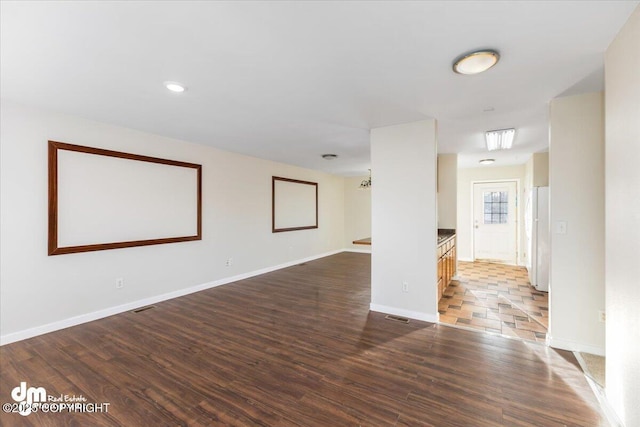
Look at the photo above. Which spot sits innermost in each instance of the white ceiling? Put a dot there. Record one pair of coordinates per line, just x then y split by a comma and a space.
289, 81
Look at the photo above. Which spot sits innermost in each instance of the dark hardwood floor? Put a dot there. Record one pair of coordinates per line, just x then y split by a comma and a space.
296, 347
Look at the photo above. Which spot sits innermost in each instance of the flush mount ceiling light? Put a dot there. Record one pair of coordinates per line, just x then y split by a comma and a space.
487, 161
476, 62
501, 139
329, 156
175, 87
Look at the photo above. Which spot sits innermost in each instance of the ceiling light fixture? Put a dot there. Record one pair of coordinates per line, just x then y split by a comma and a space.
486, 161
175, 87
329, 156
476, 62
501, 139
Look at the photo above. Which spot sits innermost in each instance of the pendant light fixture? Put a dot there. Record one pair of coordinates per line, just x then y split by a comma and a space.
366, 183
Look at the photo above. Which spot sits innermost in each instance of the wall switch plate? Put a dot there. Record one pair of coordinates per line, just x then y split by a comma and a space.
405, 286
119, 283
229, 262
602, 316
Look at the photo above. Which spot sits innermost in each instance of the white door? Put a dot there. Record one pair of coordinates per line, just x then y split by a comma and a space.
495, 220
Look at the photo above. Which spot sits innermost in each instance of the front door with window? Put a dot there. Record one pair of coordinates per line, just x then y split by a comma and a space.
495, 222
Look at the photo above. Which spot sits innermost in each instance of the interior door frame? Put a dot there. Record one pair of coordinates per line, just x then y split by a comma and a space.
518, 210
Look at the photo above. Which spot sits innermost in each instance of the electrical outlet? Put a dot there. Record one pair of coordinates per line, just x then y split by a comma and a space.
602, 316
229, 262
119, 283
405, 286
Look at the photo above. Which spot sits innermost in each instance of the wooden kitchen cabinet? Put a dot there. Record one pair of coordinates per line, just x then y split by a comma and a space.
440, 276
446, 263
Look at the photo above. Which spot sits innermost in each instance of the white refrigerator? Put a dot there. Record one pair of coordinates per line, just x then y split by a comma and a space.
537, 229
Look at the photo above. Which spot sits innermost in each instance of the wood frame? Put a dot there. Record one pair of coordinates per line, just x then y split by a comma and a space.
273, 204
53, 247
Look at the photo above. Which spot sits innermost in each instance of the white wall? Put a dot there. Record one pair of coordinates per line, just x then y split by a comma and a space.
403, 221
576, 180
622, 105
357, 213
466, 177
540, 169
38, 289
447, 190
536, 172
528, 176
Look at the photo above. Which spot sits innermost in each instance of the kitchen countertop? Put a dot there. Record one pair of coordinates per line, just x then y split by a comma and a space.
445, 233
365, 241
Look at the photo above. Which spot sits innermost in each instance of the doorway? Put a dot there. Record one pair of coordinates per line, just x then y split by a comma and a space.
495, 222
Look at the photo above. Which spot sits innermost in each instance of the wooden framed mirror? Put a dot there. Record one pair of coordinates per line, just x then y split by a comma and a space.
102, 199
294, 204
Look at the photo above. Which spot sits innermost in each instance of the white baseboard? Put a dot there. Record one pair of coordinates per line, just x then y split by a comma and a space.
465, 259
605, 405
426, 317
110, 311
574, 346
600, 394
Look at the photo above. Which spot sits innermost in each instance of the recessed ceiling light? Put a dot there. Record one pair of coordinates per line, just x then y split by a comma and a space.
476, 62
329, 156
487, 161
175, 87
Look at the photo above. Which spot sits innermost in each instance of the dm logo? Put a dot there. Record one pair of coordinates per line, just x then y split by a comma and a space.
28, 397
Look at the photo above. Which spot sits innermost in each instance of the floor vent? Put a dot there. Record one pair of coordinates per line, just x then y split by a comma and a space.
397, 318
141, 309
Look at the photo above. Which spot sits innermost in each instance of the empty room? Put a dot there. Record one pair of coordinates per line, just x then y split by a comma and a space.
355, 213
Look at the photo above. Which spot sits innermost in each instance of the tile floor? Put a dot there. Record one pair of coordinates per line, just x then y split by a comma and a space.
495, 298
